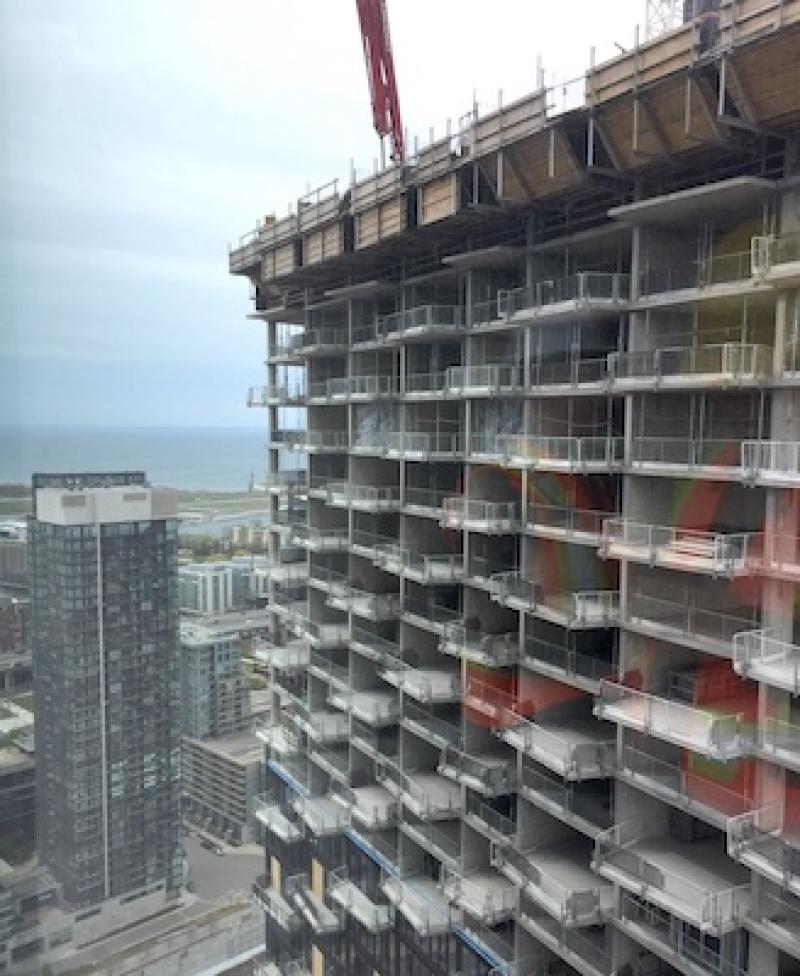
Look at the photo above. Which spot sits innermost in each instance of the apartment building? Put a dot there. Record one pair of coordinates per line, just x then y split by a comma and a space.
104, 637
215, 688
537, 709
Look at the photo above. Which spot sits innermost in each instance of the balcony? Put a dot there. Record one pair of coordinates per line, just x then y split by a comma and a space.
286, 480
779, 741
373, 707
715, 277
582, 806
373, 807
420, 901
286, 348
776, 260
427, 685
669, 938
428, 614
322, 441
321, 919
487, 773
420, 445
277, 394
566, 664
558, 879
324, 816
694, 881
583, 609
323, 726
760, 841
488, 821
284, 658
488, 518
760, 657
427, 795
421, 322
328, 635
684, 623
584, 952
424, 386
492, 650
278, 739
364, 603
771, 462
366, 498
323, 341
583, 294
430, 568
370, 741
317, 539
371, 387
428, 726
442, 839
776, 919
690, 550
374, 917
718, 736
682, 788
274, 904
485, 895
720, 364
371, 645
334, 762
575, 749
543, 453
566, 524
327, 670
562, 375
486, 380
424, 501
270, 814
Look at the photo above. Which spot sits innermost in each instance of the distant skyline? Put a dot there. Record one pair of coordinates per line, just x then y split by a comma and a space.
140, 137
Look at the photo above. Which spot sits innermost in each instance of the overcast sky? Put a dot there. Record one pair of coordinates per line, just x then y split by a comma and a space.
140, 136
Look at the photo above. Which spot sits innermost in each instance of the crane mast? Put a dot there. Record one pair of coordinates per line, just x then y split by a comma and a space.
374, 22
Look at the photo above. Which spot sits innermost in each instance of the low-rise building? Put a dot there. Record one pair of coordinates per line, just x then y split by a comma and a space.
222, 780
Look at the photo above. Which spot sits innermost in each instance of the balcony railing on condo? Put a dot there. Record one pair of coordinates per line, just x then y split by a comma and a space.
488, 821
716, 270
682, 787
590, 812
570, 905
480, 516
723, 362
322, 338
582, 288
320, 539
622, 854
420, 900
496, 650
425, 499
491, 775
486, 895
760, 656
549, 453
440, 567
584, 951
681, 548
571, 372
780, 740
425, 384
582, 608
660, 928
566, 662
711, 629
720, 736
489, 378
428, 726
564, 521
423, 684
757, 839
776, 918
771, 460
427, 795
419, 320
346, 893
443, 844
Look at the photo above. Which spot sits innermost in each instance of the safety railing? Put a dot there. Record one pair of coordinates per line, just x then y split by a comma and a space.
568, 904
485, 312
533, 450
430, 836
685, 452
335, 762
375, 645
430, 499
756, 838
369, 706
323, 338
318, 537
428, 726
581, 608
771, 459
425, 383
421, 442
371, 386
325, 439
672, 932
476, 895
499, 650
422, 801
564, 518
329, 670
682, 786
429, 610
703, 273
373, 916
419, 900
760, 656
475, 514
722, 736
770, 251
323, 815
690, 621
479, 814
582, 288
493, 777
419, 683
780, 738
491, 378
426, 567
569, 798
692, 549
732, 361
570, 372
274, 903
716, 910
539, 653
421, 319
779, 914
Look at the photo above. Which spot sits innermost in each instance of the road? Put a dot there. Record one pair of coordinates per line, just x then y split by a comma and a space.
215, 876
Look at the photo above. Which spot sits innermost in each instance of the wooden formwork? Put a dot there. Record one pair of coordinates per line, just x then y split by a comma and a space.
507, 125
438, 199
322, 244
380, 222
539, 166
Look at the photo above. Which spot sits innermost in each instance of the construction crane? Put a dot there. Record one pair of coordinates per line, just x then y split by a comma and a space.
380, 74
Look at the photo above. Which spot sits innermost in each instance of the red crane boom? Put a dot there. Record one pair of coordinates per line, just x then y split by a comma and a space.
380, 73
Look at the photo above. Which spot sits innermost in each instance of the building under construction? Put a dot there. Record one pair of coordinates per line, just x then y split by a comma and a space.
536, 702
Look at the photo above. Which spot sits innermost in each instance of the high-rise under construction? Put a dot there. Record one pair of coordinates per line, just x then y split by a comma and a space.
536, 699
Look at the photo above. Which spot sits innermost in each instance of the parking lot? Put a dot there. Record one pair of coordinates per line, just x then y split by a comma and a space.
213, 876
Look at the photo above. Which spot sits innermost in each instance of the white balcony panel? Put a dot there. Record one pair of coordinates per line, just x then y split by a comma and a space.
759, 656
372, 707
422, 903
375, 918
486, 895
575, 750
323, 815
276, 821
427, 685
374, 807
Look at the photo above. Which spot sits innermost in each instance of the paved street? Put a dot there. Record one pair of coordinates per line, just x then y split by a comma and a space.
215, 876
